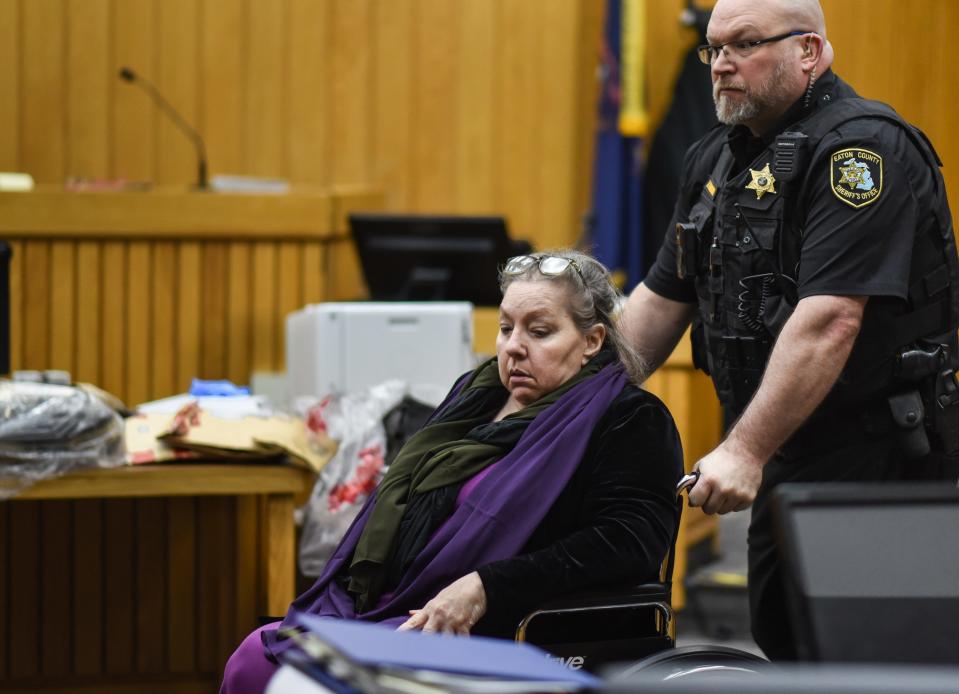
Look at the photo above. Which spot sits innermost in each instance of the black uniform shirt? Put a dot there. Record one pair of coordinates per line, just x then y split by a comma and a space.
867, 193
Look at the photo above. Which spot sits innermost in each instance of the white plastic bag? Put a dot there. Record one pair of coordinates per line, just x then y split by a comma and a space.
48, 430
356, 422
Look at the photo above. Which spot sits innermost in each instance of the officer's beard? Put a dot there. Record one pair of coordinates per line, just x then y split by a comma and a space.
770, 94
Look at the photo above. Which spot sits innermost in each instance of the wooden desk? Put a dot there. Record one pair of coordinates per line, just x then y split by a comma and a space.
142, 578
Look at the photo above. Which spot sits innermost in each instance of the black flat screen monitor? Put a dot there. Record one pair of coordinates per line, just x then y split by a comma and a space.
785, 678
873, 570
433, 258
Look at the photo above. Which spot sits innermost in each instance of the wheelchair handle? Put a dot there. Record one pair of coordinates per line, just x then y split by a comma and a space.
687, 482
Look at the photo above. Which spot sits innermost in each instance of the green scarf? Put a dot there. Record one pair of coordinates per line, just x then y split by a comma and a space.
438, 455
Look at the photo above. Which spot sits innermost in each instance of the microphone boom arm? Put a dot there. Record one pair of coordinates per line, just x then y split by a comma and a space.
128, 75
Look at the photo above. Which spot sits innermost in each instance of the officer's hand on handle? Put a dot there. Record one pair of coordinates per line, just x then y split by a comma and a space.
727, 481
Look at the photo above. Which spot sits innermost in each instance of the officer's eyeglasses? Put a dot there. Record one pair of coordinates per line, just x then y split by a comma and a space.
548, 265
740, 49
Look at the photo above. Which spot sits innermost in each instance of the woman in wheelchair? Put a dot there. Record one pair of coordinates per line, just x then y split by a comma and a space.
546, 470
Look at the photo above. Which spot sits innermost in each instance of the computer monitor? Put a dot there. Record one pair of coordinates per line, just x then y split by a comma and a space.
873, 570
433, 258
708, 677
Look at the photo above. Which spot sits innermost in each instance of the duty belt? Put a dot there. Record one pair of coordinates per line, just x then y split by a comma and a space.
826, 433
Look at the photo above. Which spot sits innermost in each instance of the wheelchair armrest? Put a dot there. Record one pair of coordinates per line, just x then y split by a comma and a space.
653, 594
610, 596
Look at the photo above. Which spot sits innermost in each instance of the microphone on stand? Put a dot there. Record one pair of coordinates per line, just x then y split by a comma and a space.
130, 76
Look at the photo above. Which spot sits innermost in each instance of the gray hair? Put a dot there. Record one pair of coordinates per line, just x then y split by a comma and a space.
592, 299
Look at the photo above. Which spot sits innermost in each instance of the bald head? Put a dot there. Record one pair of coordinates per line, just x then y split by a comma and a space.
801, 14
783, 15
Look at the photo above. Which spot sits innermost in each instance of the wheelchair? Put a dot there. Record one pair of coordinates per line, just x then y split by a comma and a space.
632, 624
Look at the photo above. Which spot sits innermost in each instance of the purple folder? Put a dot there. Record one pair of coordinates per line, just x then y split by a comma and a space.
377, 646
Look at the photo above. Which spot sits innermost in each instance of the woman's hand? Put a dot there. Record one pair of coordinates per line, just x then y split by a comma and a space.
454, 610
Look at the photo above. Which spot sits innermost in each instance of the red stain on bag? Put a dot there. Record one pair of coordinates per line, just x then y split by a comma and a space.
363, 480
314, 416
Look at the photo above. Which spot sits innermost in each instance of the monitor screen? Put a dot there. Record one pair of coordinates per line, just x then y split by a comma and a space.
433, 258
873, 570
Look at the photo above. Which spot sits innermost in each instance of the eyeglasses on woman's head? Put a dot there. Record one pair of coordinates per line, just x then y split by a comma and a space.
548, 265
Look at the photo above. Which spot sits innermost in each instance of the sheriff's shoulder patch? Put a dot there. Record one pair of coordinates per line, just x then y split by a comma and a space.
855, 176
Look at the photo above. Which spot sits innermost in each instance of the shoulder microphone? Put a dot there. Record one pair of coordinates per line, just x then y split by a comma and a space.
130, 76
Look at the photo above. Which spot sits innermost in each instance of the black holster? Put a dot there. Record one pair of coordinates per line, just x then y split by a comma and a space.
908, 414
945, 419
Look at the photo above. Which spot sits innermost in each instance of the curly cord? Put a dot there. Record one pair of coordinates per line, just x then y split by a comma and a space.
750, 317
809, 86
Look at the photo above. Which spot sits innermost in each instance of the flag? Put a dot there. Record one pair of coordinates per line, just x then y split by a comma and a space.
617, 209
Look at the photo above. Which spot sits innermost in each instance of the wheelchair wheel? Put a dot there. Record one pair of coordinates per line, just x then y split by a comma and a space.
689, 662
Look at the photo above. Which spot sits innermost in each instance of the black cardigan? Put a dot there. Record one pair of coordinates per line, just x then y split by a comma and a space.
614, 521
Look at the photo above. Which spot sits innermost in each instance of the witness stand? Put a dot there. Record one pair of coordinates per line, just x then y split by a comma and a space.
142, 578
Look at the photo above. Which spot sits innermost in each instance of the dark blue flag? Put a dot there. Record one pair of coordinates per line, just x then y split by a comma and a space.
617, 214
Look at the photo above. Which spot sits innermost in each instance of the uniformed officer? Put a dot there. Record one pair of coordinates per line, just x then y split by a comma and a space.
813, 253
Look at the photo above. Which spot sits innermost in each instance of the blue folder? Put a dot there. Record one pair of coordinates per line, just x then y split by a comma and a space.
377, 646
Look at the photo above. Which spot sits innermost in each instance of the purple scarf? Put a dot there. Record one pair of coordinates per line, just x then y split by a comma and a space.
494, 522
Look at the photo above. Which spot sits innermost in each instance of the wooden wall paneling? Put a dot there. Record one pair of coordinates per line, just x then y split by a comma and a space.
343, 265
181, 584
227, 634
89, 86
351, 113
239, 303
63, 308
163, 320
308, 89
265, 319
134, 43
346, 276
224, 30
518, 116
177, 79
119, 583
314, 275
138, 323
666, 44
17, 315
151, 563
36, 304
939, 121
24, 589
88, 598
42, 81
208, 560
264, 132
591, 16
475, 96
247, 568
289, 296
88, 304
10, 53
278, 568
113, 353
393, 132
56, 594
213, 330
556, 134
434, 108
188, 314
